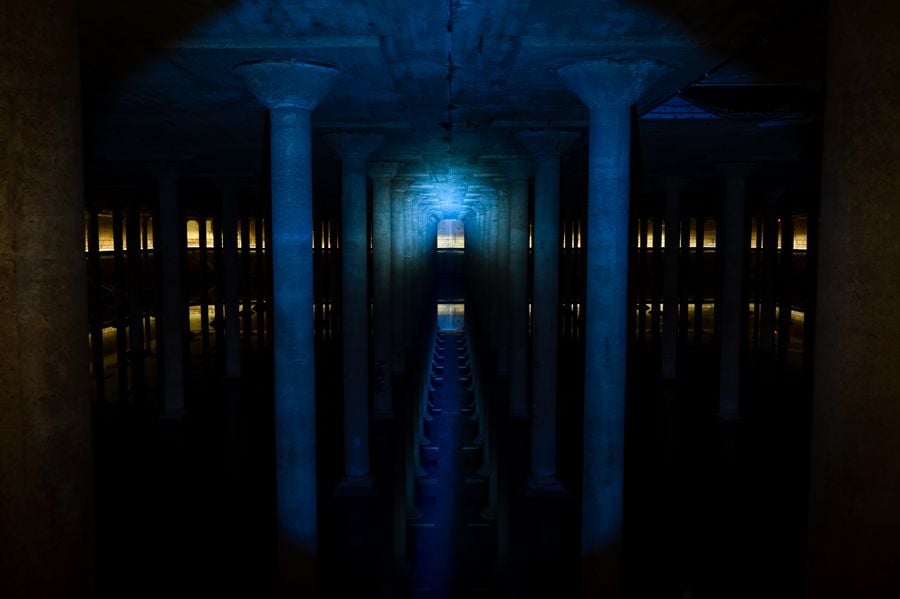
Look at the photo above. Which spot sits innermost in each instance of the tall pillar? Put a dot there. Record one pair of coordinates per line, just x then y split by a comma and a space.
170, 248
231, 277
770, 266
503, 277
46, 528
609, 86
291, 89
398, 276
382, 174
518, 172
732, 240
546, 146
674, 188
354, 149
854, 524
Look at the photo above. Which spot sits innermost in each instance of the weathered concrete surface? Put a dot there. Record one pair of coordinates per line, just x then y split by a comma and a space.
291, 89
609, 86
46, 529
855, 472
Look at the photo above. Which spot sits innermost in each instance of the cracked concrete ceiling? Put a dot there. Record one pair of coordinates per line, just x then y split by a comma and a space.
448, 82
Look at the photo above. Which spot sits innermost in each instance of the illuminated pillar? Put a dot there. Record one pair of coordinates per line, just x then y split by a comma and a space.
231, 276
382, 173
169, 248
546, 147
518, 172
46, 528
732, 241
291, 89
609, 86
354, 149
674, 188
854, 524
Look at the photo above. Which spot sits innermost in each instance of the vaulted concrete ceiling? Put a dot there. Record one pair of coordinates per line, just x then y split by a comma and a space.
446, 81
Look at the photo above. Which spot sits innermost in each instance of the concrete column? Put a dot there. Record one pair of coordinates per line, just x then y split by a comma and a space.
854, 524
770, 266
170, 249
546, 147
46, 527
354, 149
674, 188
398, 276
231, 277
731, 238
291, 89
382, 173
518, 172
609, 86
503, 278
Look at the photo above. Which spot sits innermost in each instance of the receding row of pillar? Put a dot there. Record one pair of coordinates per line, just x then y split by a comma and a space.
45, 474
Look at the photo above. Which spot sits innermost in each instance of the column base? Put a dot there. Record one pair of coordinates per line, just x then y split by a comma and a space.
546, 486
355, 486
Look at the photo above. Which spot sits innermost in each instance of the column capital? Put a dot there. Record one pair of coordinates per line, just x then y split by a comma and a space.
517, 170
547, 142
736, 170
353, 146
772, 192
611, 80
229, 183
165, 169
383, 169
401, 184
288, 83
673, 185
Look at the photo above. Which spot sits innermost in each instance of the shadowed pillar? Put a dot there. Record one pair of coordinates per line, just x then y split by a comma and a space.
502, 276
291, 90
399, 190
609, 86
674, 188
354, 149
771, 196
46, 528
518, 172
231, 274
170, 247
546, 147
382, 174
854, 522
731, 304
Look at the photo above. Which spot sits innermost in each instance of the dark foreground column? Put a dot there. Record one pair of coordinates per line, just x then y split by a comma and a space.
354, 149
854, 522
46, 545
291, 89
609, 86
546, 147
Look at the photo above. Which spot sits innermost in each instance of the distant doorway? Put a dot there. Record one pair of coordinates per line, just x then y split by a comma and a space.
451, 317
